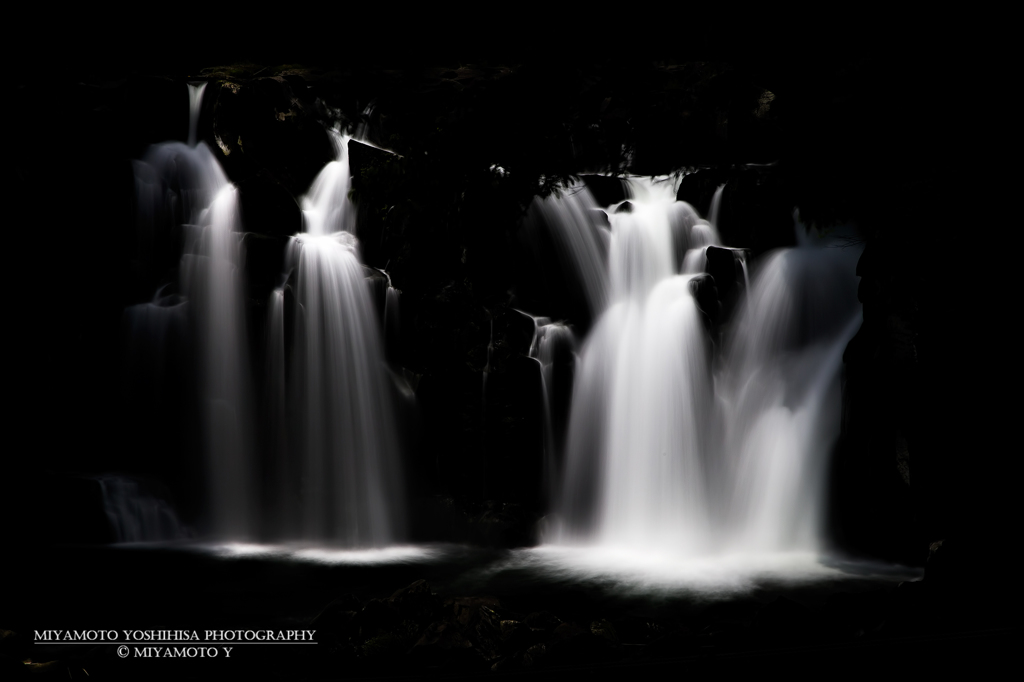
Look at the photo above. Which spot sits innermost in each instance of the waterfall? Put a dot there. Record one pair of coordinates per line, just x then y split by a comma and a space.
136, 515
347, 485
183, 197
675, 444
780, 381
195, 104
281, 502
554, 348
579, 242
212, 280
716, 205
665, 427
331, 467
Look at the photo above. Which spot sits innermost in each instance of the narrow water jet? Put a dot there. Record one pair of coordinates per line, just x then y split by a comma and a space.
195, 104
716, 205
281, 494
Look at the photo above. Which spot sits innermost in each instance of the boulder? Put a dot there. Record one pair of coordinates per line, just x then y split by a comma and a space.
443, 645
270, 125
339, 617
267, 207
574, 643
264, 261
705, 293
724, 265
376, 618
416, 602
477, 620
606, 189
518, 636
756, 207
543, 620
724, 268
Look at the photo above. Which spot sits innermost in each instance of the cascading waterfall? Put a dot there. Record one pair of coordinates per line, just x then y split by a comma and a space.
212, 280
781, 389
181, 191
345, 486
136, 515
657, 435
580, 246
332, 458
672, 446
554, 348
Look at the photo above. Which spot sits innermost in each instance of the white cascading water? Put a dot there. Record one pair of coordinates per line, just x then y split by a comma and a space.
553, 341
781, 408
181, 186
673, 447
345, 486
195, 104
135, 515
580, 247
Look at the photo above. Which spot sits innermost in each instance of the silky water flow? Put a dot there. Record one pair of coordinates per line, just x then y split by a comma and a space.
328, 470
340, 478
680, 441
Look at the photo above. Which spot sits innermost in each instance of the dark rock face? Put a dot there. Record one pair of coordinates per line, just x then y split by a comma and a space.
268, 208
264, 263
706, 294
607, 190
269, 127
726, 270
67, 509
873, 500
374, 175
757, 204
